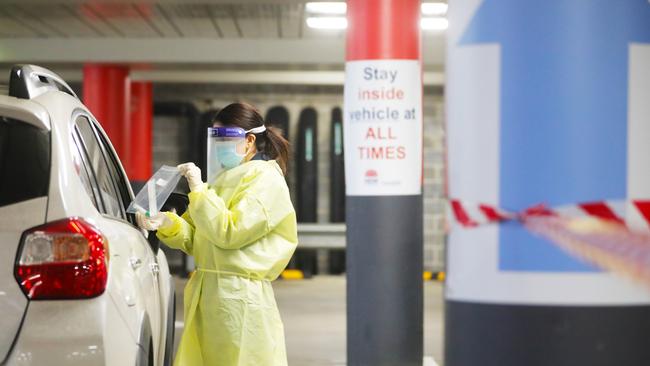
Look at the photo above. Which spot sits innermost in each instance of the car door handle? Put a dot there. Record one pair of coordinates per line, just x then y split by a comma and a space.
135, 262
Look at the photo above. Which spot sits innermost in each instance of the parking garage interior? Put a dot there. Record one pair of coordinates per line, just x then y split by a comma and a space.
455, 271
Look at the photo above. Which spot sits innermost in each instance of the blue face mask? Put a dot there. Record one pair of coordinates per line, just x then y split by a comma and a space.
228, 156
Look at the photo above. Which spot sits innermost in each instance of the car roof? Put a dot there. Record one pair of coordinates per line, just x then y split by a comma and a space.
24, 110
30, 81
19, 99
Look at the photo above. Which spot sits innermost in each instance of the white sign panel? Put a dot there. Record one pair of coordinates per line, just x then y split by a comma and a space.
383, 128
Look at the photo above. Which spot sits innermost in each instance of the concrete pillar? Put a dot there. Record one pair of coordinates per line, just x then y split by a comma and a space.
546, 103
383, 173
106, 92
141, 131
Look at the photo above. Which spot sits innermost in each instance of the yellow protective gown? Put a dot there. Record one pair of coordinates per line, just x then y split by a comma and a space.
242, 232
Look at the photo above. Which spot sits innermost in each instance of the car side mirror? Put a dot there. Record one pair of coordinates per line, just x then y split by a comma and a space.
177, 202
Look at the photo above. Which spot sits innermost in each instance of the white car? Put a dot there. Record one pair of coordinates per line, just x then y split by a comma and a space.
79, 282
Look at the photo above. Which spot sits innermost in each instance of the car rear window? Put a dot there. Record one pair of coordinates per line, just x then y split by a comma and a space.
24, 161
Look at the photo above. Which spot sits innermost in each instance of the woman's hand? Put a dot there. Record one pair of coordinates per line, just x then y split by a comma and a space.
193, 175
153, 223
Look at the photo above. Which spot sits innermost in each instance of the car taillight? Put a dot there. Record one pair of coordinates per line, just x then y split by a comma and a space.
65, 259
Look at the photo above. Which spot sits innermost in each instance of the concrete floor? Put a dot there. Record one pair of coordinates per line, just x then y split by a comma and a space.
313, 312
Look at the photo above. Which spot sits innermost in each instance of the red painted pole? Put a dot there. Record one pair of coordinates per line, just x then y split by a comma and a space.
383, 173
383, 29
141, 130
106, 92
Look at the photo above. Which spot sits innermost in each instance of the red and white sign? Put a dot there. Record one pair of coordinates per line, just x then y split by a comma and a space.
383, 127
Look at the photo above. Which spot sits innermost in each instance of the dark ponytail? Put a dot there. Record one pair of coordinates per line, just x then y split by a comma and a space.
276, 147
270, 142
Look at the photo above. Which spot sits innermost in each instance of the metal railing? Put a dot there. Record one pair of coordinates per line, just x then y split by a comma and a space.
321, 236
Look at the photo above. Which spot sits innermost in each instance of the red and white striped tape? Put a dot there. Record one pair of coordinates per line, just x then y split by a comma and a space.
634, 214
613, 235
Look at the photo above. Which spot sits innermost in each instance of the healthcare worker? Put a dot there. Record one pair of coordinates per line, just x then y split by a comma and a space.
240, 227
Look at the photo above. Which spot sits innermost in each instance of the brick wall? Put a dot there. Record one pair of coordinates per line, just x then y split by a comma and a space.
434, 178
170, 146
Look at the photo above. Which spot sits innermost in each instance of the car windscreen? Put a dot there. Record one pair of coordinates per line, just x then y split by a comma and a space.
24, 161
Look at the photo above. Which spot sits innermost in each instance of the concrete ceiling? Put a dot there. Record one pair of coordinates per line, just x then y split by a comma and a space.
176, 35
180, 19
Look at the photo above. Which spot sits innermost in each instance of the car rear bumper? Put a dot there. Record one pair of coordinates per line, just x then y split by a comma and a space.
74, 332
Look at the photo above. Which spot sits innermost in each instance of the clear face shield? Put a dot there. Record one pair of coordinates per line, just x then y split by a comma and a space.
226, 148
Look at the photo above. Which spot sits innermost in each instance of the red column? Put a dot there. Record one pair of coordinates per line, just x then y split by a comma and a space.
106, 92
383, 29
141, 130
383, 173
